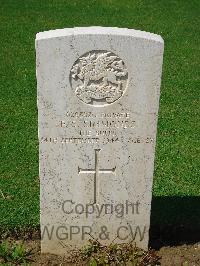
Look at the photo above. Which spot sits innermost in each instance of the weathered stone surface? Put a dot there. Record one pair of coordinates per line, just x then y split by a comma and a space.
98, 99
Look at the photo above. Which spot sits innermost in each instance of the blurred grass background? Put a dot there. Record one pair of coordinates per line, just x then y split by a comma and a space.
177, 153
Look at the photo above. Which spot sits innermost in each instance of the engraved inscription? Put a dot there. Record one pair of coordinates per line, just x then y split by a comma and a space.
97, 128
99, 78
119, 115
99, 124
94, 140
96, 171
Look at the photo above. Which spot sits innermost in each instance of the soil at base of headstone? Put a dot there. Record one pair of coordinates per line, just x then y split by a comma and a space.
184, 255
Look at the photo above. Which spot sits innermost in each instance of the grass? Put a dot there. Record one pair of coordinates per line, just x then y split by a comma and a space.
12, 254
114, 254
177, 161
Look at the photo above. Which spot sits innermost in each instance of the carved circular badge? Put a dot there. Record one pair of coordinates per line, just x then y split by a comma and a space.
99, 78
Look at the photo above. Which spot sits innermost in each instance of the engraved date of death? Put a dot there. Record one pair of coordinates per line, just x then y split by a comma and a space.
93, 140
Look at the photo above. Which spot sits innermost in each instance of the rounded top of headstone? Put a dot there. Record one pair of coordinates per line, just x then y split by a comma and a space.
99, 30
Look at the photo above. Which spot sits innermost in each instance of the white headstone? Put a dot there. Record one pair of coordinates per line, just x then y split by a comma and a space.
98, 99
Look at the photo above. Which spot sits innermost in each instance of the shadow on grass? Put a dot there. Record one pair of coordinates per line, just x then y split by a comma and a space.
174, 221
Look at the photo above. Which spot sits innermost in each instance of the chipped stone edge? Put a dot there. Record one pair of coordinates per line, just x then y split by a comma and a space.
97, 30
